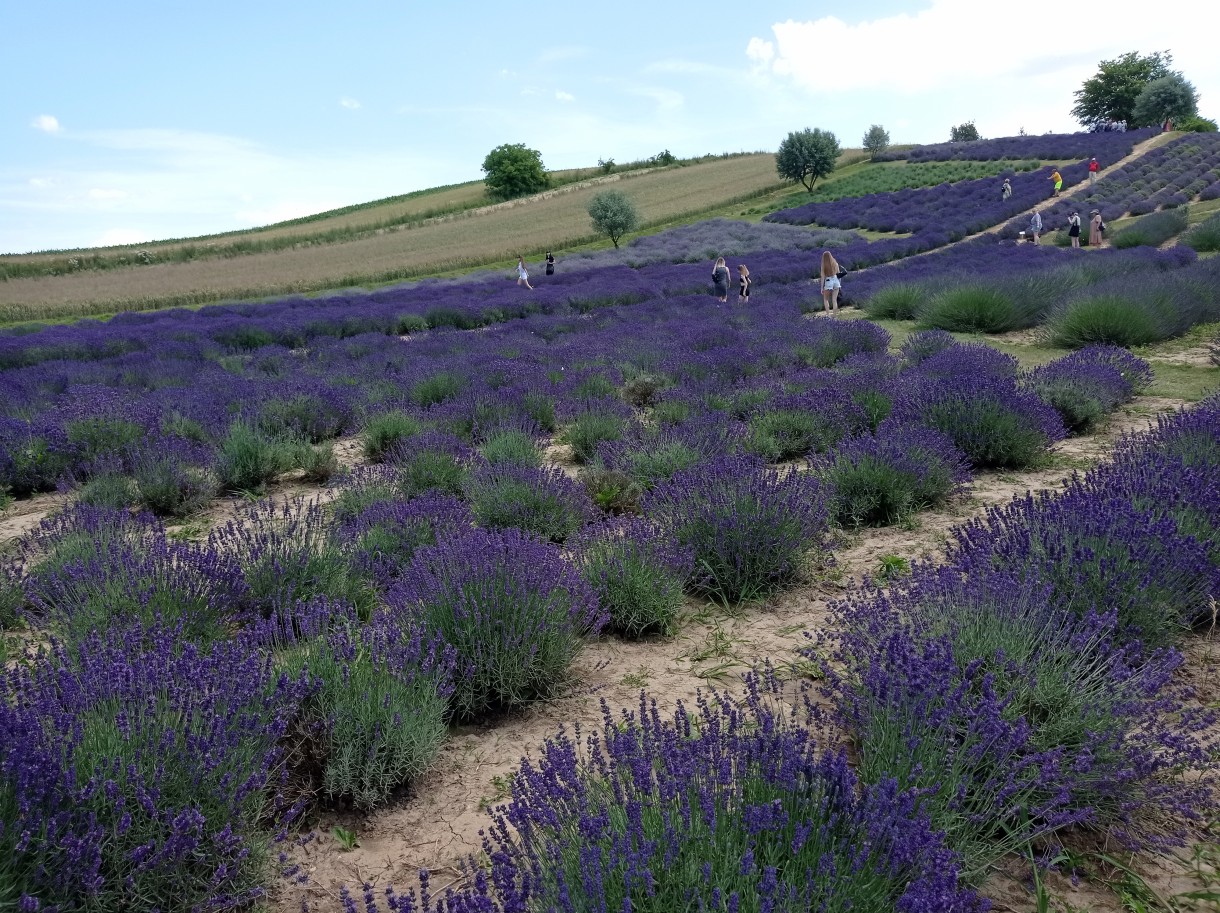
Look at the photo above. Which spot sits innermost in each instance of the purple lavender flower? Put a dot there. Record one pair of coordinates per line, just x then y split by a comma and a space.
511, 607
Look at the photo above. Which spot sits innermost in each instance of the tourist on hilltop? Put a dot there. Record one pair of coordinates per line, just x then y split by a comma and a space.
1035, 225
1074, 228
829, 277
1058, 179
523, 275
720, 280
1006, 190
550, 263
1093, 169
743, 283
1096, 229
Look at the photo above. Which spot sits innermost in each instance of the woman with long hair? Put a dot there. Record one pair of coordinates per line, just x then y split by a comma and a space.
720, 280
523, 274
743, 283
1074, 228
829, 277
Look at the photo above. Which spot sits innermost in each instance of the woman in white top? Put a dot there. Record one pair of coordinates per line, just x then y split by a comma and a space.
829, 277
523, 275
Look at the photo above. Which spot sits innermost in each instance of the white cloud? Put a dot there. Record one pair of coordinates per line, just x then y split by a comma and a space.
350, 103
41, 182
965, 44
666, 99
565, 96
46, 123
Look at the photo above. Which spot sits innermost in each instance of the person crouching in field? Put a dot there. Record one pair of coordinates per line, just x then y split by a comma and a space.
743, 283
829, 277
523, 274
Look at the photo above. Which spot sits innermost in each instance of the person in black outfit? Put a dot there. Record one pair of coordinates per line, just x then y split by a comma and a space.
720, 280
550, 263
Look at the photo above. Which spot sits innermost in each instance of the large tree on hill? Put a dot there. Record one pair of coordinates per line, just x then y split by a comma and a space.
807, 156
1111, 94
876, 140
514, 171
964, 133
613, 214
1168, 97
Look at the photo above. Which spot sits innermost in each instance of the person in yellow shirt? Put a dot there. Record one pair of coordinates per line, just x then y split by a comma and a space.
1058, 179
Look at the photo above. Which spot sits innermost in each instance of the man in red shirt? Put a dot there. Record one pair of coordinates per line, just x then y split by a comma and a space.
1093, 169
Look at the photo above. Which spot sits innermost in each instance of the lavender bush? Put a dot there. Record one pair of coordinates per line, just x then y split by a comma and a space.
384, 536
376, 717
1087, 385
138, 772
879, 479
1014, 718
637, 575
750, 527
540, 500
512, 608
993, 423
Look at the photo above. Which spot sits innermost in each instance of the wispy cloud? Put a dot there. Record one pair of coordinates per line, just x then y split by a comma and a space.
565, 96
46, 123
350, 103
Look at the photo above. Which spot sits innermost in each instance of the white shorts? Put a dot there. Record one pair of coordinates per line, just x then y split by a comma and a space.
831, 282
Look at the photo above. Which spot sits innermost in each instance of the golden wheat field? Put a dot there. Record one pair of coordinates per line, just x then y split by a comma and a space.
554, 219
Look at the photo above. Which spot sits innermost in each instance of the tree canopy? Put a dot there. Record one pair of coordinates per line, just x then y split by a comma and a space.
876, 140
513, 171
807, 156
964, 133
613, 214
1112, 93
1170, 96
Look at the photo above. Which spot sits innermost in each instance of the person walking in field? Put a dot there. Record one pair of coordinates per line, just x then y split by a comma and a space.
1035, 225
1093, 169
720, 280
1074, 228
523, 274
550, 263
829, 278
1095, 229
1058, 179
743, 283
1006, 190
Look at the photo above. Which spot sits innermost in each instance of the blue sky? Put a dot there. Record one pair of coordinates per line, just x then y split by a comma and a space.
139, 121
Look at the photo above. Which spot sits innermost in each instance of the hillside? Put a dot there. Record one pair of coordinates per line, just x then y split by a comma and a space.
371, 244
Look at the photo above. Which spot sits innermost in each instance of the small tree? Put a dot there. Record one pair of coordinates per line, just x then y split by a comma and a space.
513, 171
1111, 94
613, 214
1168, 97
964, 133
876, 140
606, 165
807, 156
664, 157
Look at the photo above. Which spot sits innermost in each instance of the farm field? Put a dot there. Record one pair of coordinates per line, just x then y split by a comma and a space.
908, 597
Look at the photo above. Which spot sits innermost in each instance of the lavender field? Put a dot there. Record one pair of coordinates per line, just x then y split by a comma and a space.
783, 611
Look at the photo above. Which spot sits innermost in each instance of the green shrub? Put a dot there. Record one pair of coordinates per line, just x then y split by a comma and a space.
317, 464
406, 324
436, 389
247, 459
1204, 237
385, 430
100, 437
511, 447
109, 490
896, 302
170, 489
1108, 319
588, 430
971, 309
612, 490
379, 710
1153, 229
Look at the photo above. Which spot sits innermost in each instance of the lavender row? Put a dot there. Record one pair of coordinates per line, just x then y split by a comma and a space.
1106, 147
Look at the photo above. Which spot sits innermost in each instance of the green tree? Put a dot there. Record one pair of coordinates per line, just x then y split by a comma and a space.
1111, 94
807, 156
513, 171
964, 133
1170, 96
876, 140
613, 214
